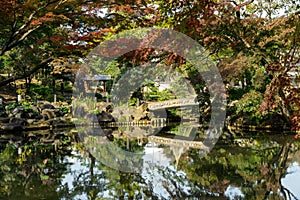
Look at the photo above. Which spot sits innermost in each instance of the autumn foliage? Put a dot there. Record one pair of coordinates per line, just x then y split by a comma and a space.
249, 36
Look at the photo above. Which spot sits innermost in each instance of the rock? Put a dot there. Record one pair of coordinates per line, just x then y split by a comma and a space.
123, 113
109, 108
58, 113
29, 115
17, 110
31, 121
4, 119
2, 100
79, 111
2, 111
47, 106
10, 127
19, 121
56, 122
38, 117
141, 113
104, 106
40, 125
45, 117
67, 116
19, 115
35, 109
49, 113
46, 140
44, 124
60, 104
105, 117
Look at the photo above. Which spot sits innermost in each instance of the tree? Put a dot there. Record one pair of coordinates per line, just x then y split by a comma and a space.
48, 30
246, 37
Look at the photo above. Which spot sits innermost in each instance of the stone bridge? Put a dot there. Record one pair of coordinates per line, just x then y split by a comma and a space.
174, 103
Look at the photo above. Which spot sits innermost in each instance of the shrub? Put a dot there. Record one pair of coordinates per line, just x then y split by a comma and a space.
249, 104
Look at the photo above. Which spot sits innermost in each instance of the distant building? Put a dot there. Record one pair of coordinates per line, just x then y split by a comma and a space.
97, 84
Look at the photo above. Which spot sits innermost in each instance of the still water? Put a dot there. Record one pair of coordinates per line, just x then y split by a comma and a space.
57, 166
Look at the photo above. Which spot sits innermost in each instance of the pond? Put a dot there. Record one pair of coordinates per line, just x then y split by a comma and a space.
256, 166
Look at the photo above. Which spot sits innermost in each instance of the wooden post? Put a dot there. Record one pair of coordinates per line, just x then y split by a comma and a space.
127, 144
19, 98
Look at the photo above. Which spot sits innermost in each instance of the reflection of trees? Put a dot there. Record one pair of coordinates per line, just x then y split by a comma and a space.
33, 173
257, 170
36, 173
85, 182
273, 171
122, 185
119, 154
105, 182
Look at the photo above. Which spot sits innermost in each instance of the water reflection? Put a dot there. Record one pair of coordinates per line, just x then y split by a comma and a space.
31, 169
254, 167
234, 193
291, 181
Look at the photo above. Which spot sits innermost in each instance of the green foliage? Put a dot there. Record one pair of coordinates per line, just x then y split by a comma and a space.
132, 101
27, 106
173, 112
96, 111
112, 69
249, 103
12, 106
260, 79
165, 95
25, 174
156, 95
235, 94
64, 110
87, 102
133, 147
42, 92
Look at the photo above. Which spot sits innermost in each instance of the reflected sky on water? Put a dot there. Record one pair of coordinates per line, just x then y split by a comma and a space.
292, 179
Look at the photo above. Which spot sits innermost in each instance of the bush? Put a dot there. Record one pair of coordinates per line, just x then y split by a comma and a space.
25, 105
41, 91
249, 104
64, 110
235, 94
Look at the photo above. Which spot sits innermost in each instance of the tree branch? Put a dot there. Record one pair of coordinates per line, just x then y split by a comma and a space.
17, 36
17, 77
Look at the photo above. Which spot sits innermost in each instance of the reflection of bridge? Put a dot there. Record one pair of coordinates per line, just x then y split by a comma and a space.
148, 129
177, 140
178, 146
174, 103
184, 135
178, 143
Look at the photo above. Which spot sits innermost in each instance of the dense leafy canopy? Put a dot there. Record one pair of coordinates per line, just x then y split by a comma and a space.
254, 42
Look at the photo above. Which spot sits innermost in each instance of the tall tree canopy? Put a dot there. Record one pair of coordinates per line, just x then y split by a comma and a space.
253, 40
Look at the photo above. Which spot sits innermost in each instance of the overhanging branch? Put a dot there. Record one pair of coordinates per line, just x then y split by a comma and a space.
18, 77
